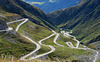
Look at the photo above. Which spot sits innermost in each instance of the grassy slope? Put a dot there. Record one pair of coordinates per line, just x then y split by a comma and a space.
40, 32
14, 25
26, 10
23, 46
83, 19
16, 60
98, 59
65, 52
37, 33
34, 31
64, 39
18, 47
88, 29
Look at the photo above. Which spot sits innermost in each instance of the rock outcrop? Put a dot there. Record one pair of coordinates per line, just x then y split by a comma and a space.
3, 25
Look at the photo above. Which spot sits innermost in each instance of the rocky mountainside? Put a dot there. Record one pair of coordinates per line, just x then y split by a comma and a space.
3, 25
83, 19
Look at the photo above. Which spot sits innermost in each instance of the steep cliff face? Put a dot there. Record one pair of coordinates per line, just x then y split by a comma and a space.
83, 19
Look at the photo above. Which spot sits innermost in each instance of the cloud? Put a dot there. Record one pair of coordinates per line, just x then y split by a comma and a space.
39, 3
52, 1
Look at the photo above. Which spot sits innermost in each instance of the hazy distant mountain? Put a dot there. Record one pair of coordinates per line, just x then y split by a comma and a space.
52, 5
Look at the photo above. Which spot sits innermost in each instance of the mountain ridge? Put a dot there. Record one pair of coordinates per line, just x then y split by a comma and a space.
26, 10
52, 5
80, 19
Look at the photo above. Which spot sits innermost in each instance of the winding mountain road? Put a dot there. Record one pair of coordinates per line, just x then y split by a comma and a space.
71, 45
56, 38
37, 45
8, 29
74, 38
37, 48
16, 21
40, 42
26, 20
52, 48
